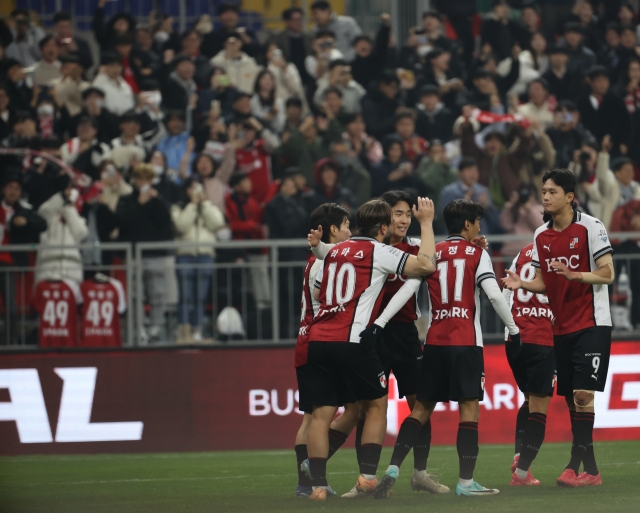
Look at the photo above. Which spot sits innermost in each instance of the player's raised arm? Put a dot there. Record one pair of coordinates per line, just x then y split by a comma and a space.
424, 263
318, 248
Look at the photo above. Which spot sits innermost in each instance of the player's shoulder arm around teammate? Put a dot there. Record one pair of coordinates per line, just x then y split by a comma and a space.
424, 263
318, 248
399, 299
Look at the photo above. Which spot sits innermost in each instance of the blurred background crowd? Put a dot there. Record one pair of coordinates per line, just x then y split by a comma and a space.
141, 133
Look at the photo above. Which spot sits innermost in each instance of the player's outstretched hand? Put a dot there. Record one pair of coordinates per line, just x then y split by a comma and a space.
562, 269
315, 237
481, 242
512, 281
424, 211
369, 338
514, 346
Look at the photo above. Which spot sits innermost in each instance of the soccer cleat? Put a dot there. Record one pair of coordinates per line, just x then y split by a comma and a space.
514, 465
363, 487
306, 470
527, 481
352, 494
319, 493
567, 479
424, 481
585, 479
383, 490
475, 490
303, 491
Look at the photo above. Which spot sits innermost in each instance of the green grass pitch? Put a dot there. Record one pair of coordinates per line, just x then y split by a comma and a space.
264, 481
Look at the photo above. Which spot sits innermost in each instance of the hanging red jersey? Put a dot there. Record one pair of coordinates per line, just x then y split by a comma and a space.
530, 311
309, 309
57, 303
410, 311
255, 162
454, 293
104, 302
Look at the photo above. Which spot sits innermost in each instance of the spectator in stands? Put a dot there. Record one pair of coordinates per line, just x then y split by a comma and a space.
345, 28
215, 176
168, 191
580, 57
84, 152
240, 108
245, 220
467, 187
7, 113
484, 93
69, 43
190, 42
215, 41
197, 220
287, 77
294, 42
499, 167
460, 16
26, 36
264, 103
538, 106
436, 173
146, 50
629, 86
293, 113
130, 145
534, 62
500, 32
604, 113
108, 123
414, 146
366, 149
47, 70
434, 120
23, 132
340, 78
317, 63
521, 215
41, 179
626, 51
379, 105
331, 108
118, 95
367, 64
394, 171
241, 68
68, 89
567, 133
114, 187
531, 19
134, 69
174, 144
221, 91
120, 23
352, 175
328, 189
66, 228
19, 87
563, 84
439, 73
180, 92
583, 14
608, 51
285, 217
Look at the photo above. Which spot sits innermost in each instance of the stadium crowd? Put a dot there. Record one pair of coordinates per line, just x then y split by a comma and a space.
218, 133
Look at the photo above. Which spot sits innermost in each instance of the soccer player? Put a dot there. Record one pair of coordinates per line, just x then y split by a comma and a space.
453, 364
534, 370
399, 349
574, 265
342, 368
334, 221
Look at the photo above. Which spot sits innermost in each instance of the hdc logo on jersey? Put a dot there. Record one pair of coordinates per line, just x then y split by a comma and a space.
574, 243
573, 262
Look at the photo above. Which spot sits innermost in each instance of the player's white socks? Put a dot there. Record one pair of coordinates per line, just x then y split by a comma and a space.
419, 474
522, 474
369, 477
465, 482
394, 469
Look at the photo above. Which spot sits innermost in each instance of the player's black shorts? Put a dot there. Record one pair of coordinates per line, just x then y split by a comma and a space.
400, 351
341, 372
534, 369
582, 359
451, 373
303, 390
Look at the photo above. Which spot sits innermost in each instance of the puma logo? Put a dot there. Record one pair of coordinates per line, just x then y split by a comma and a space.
548, 248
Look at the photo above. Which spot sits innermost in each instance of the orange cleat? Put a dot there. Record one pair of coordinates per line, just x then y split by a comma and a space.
319, 494
366, 486
568, 479
514, 465
527, 481
585, 479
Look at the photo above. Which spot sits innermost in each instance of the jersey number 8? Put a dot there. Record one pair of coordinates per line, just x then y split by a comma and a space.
528, 273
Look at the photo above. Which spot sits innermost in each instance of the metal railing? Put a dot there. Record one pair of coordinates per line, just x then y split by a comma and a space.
261, 279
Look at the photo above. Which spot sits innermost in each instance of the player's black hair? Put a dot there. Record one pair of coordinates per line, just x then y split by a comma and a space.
562, 178
372, 216
395, 197
328, 215
460, 210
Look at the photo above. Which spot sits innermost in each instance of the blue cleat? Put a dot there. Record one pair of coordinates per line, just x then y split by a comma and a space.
303, 491
383, 490
474, 490
304, 467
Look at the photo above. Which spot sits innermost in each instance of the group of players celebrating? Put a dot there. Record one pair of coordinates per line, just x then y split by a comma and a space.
359, 304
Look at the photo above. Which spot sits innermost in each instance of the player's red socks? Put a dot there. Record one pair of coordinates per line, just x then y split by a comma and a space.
584, 440
407, 437
301, 455
359, 430
318, 468
521, 423
533, 438
422, 447
467, 444
336, 439
370, 458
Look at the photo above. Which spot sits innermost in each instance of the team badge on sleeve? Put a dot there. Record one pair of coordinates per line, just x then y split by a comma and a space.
574, 243
383, 380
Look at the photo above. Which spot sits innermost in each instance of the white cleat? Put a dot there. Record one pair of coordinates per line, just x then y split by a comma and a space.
423, 481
